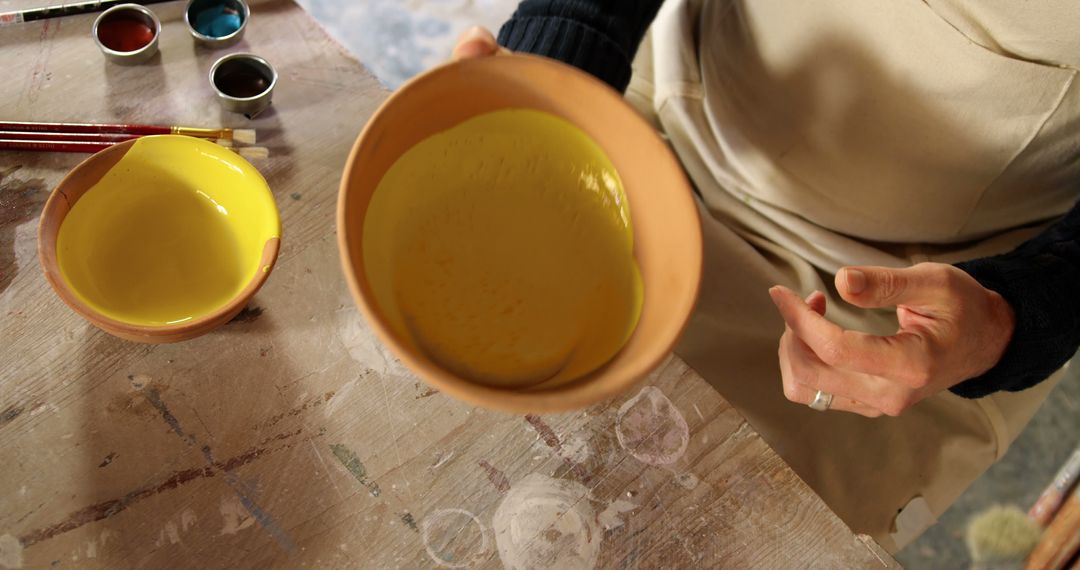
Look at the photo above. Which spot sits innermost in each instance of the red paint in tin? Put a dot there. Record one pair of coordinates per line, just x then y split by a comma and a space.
124, 34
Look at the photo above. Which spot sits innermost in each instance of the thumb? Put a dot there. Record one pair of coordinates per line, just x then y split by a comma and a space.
879, 287
475, 42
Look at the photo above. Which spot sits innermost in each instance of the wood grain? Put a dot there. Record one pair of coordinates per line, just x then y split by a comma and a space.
290, 437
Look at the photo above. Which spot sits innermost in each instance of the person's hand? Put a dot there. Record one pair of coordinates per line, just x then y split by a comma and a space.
951, 329
476, 42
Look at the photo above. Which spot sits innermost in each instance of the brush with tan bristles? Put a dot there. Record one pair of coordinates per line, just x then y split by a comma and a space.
252, 152
244, 136
1001, 537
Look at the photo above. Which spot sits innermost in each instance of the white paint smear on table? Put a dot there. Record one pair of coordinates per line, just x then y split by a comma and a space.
341, 395
454, 538
546, 523
576, 449
611, 517
10, 552
364, 348
440, 458
234, 515
187, 519
93, 546
25, 245
651, 428
172, 532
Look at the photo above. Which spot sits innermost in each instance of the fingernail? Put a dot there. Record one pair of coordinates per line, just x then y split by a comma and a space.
472, 33
856, 280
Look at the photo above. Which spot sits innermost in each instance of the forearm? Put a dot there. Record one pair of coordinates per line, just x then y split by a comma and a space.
598, 36
1041, 281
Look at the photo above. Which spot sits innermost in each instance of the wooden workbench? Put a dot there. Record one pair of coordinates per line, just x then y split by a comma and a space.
291, 437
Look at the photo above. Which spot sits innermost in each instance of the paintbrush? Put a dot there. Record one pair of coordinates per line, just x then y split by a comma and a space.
1060, 544
249, 152
65, 137
29, 15
1000, 538
1051, 499
246, 136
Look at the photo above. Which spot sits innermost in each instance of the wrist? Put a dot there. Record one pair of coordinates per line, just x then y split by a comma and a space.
1041, 291
1003, 325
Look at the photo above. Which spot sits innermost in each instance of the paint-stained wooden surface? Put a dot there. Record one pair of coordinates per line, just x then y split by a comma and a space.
290, 438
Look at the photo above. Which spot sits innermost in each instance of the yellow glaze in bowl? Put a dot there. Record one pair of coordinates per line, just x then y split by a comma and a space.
502, 249
666, 236
161, 238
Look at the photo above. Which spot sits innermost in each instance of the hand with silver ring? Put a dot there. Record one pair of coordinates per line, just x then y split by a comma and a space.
950, 329
794, 353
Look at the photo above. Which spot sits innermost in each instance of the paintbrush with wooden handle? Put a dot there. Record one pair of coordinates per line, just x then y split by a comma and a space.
249, 152
72, 9
245, 136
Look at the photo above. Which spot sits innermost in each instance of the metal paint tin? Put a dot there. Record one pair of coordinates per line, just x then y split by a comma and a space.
196, 7
130, 13
244, 82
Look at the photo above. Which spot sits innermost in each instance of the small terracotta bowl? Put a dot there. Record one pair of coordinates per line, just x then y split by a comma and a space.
159, 239
667, 231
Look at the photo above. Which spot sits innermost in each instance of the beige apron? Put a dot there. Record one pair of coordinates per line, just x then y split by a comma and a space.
840, 132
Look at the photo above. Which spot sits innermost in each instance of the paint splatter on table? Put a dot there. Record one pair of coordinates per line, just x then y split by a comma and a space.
291, 437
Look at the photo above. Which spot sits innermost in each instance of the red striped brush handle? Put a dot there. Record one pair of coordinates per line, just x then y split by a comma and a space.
61, 137
54, 146
83, 128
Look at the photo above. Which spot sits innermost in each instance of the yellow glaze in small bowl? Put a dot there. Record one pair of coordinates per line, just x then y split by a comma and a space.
159, 239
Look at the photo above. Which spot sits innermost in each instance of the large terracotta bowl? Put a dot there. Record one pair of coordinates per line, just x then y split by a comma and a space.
226, 203
667, 231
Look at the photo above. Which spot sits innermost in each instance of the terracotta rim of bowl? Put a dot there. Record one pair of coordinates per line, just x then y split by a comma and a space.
573, 395
60, 202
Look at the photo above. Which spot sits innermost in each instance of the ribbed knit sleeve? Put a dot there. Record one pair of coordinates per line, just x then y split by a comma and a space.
598, 36
1041, 281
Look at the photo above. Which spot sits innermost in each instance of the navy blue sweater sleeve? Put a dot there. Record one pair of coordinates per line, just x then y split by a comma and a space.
598, 36
1041, 281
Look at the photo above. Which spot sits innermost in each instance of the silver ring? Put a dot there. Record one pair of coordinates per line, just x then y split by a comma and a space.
822, 401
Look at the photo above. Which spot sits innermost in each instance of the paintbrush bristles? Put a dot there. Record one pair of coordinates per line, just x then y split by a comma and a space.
246, 136
248, 152
1001, 537
253, 152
